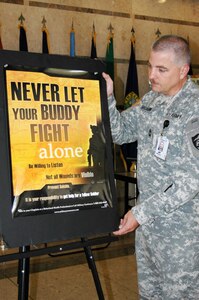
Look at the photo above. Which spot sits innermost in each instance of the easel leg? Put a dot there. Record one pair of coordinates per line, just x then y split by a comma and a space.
92, 266
23, 275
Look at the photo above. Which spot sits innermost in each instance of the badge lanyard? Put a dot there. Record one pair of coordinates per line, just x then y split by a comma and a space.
162, 143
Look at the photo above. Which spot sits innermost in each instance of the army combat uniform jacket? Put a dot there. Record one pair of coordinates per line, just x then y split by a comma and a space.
168, 204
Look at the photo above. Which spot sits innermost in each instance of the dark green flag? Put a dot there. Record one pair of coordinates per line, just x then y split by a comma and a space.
110, 57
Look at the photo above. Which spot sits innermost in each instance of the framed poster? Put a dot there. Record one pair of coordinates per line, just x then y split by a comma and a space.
57, 167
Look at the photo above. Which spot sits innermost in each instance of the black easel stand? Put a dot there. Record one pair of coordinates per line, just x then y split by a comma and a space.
92, 266
24, 254
23, 274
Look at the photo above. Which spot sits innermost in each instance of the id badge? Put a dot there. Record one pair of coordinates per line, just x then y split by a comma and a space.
162, 147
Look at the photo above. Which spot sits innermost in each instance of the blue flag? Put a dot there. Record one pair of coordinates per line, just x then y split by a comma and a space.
72, 41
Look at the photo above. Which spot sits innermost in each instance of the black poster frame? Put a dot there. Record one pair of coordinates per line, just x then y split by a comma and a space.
30, 230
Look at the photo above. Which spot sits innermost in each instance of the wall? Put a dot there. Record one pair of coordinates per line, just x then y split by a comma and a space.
145, 16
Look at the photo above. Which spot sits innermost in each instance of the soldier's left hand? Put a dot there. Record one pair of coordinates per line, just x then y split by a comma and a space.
127, 224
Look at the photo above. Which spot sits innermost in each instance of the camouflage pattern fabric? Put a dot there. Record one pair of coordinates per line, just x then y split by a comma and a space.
167, 242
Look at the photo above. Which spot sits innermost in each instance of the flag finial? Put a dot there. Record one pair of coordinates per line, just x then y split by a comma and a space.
72, 26
158, 33
93, 27
44, 22
110, 28
21, 19
133, 36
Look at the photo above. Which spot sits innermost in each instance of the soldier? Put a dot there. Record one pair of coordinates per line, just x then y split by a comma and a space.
166, 216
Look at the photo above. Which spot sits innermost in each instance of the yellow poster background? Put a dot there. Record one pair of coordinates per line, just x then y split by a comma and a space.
29, 170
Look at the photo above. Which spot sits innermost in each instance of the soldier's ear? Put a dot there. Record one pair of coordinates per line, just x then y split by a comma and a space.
184, 71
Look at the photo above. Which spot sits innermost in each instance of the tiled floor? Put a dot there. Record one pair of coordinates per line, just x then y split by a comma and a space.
69, 277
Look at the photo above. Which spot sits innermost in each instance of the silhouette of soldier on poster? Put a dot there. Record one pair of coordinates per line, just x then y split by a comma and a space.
96, 150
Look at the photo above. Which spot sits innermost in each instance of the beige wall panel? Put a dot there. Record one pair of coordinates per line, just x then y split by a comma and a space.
109, 5
174, 9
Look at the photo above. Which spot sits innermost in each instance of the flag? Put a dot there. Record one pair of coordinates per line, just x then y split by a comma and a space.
72, 41
45, 48
110, 54
1, 45
93, 44
131, 98
45, 40
190, 67
132, 91
23, 45
190, 70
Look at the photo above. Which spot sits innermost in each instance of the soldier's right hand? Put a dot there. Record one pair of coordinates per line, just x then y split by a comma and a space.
109, 84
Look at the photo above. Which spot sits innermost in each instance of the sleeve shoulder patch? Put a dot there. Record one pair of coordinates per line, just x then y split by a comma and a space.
192, 132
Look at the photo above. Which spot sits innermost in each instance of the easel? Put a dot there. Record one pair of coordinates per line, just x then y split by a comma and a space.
24, 255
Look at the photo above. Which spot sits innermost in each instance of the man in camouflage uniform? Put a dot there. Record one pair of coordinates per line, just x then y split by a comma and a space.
166, 216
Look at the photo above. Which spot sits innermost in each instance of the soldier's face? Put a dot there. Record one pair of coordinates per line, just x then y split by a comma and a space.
164, 74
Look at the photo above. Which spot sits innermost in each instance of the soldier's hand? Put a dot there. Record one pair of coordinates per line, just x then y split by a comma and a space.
109, 84
127, 224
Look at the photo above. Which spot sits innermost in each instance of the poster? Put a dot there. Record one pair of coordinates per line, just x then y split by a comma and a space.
57, 144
